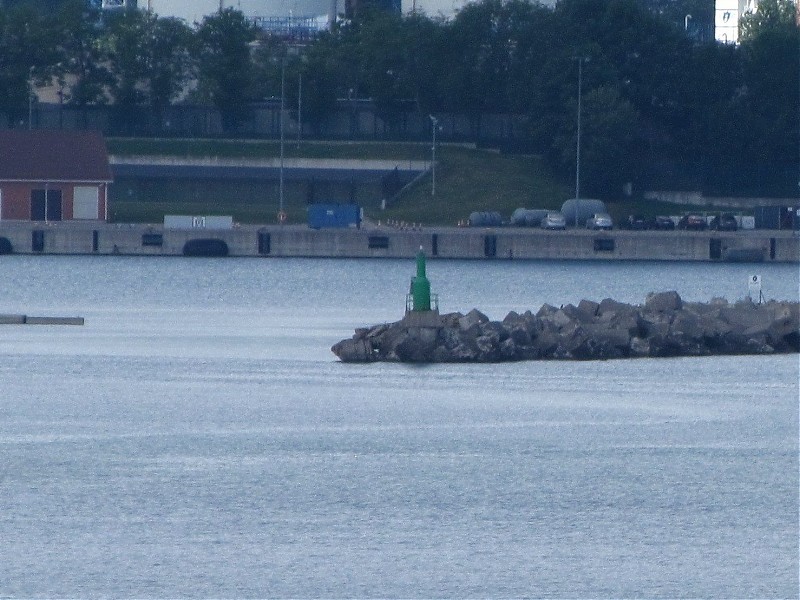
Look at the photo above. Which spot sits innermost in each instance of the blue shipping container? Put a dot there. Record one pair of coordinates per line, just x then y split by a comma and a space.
334, 215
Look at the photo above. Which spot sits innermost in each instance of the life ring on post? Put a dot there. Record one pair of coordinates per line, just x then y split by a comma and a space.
281, 217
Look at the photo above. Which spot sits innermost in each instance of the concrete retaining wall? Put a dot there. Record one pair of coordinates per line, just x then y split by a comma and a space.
697, 198
445, 242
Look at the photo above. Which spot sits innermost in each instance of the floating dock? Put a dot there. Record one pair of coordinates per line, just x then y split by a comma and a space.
27, 320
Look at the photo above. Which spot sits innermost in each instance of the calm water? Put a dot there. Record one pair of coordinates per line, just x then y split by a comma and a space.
196, 438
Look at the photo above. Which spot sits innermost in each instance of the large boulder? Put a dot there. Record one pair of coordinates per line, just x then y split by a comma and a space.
607, 305
520, 335
588, 309
663, 302
599, 341
417, 344
545, 310
784, 329
354, 350
472, 319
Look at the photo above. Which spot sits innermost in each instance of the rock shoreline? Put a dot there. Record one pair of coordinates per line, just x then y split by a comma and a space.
664, 326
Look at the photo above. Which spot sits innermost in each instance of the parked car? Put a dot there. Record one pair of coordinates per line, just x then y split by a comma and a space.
554, 220
485, 218
600, 221
637, 222
663, 223
724, 222
694, 221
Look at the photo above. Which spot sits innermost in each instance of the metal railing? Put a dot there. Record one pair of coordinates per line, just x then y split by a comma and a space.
410, 302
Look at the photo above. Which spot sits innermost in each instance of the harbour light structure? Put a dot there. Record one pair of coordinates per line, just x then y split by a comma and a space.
420, 299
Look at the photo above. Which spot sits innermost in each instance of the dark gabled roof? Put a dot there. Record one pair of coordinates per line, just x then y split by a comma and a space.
53, 155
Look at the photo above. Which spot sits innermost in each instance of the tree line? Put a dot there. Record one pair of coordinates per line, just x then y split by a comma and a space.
654, 101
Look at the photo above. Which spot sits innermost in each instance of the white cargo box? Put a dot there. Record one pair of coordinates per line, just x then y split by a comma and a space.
189, 222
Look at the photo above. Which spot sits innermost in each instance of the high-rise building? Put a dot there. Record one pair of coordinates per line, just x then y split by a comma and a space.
728, 13
118, 4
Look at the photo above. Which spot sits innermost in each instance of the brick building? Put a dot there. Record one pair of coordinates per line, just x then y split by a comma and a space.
53, 176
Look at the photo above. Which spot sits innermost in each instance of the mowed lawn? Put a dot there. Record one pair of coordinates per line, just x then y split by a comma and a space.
467, 179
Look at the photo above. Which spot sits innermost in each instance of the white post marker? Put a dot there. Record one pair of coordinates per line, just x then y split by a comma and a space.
754, 287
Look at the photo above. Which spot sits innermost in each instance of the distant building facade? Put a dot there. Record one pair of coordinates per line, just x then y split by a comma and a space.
727, 15
53, 175
695, 17
118, 4
353, 7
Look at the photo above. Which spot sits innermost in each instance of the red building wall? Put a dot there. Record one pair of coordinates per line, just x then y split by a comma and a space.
16, 199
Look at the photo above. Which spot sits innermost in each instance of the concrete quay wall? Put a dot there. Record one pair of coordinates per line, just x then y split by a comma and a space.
370, 241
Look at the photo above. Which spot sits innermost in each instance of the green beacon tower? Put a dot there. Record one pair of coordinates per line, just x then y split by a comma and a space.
420, 287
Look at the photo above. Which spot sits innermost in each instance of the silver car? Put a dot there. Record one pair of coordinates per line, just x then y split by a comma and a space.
554, 220
600, 221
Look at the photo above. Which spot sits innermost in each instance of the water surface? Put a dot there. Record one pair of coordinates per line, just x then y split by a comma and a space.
196, 438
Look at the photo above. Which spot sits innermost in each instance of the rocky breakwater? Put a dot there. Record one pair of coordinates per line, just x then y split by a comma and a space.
664, 326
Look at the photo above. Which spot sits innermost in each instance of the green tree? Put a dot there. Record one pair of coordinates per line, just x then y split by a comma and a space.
762, 148
399, 69
771, 15
319, 90
25, 56
169, 65
488, 59
82, 58
150, 63
713, 78
634, 67
125, 40
610, 143
225, 74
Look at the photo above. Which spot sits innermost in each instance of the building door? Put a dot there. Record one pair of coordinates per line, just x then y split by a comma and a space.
46, 205
53, 205
37, 204
85, 202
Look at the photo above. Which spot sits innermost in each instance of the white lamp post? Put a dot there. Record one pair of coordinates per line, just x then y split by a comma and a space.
581, 60
435, 126
30, 98
299, 108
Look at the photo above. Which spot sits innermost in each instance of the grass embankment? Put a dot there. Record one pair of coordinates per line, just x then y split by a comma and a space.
467, 180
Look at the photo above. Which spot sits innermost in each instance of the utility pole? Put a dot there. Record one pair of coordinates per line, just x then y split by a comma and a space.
435, 126
299, 108
30, 98
581, 60
281, 213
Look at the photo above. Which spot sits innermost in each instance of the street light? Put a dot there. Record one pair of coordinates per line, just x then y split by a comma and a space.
30, 98
435, 126
281, 216
299, 108
581, 60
